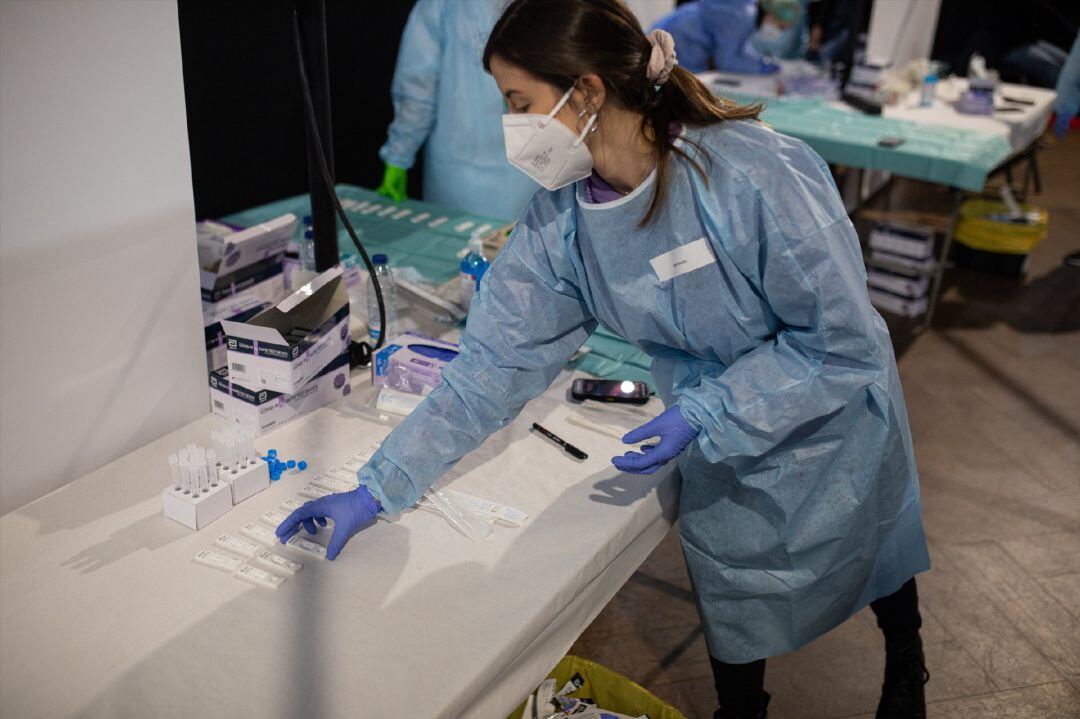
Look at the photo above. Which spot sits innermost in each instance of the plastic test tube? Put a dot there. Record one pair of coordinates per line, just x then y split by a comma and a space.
212, 466
174, 470
185, 485
230, 456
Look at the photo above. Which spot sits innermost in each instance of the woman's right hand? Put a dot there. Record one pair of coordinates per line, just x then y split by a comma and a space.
351, 512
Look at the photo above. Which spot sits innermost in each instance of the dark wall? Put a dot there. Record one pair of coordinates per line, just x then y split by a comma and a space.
994, 27
244, 105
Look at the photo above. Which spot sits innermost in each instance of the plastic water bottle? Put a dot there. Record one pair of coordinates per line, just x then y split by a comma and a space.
929, 90
389, 293
307, 251
473, 268
298, 234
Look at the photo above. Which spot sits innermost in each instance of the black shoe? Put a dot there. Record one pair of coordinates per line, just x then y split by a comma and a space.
761, 713
1072, 260
902, 694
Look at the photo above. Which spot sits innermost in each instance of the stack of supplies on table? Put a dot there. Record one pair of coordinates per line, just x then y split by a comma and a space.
240, 273
288, 359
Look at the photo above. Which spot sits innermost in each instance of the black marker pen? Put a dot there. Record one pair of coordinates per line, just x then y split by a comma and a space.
570, 449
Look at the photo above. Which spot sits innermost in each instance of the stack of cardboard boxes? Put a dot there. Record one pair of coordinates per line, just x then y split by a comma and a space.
240, 274
287, 359
899, 267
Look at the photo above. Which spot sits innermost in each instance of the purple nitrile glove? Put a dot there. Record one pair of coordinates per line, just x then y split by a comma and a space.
351, 512
1061, 123
675, 434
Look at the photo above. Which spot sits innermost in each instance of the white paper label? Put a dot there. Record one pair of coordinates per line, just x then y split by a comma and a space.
683, 259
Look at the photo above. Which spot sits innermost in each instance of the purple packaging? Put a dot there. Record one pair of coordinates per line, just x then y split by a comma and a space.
412, 363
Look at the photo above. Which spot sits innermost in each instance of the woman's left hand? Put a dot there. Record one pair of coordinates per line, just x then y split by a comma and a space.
675, 434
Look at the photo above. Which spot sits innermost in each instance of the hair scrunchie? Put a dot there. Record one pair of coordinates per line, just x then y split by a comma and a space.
662, 59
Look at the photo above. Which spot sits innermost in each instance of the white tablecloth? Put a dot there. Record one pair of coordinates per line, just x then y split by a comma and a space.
1019, 129
103, 614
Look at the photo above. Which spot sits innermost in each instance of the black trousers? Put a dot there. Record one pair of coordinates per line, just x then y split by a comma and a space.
740, 687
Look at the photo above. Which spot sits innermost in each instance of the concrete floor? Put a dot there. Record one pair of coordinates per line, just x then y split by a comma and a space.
993, 391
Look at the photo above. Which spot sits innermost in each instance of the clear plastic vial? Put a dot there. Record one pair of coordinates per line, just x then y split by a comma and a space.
389, 293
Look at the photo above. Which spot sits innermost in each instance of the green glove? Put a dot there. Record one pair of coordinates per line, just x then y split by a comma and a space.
394, 182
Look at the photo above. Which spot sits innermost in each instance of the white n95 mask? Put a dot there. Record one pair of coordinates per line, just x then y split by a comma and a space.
547, 150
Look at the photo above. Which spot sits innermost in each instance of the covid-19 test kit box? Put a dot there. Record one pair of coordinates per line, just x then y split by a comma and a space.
266, 410
238, 264
287, 344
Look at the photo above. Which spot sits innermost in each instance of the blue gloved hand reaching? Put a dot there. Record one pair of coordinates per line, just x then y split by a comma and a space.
675, 435
351, 512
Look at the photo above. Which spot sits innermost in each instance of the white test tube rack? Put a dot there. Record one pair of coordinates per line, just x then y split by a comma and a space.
239, 464
196, 496
207, 482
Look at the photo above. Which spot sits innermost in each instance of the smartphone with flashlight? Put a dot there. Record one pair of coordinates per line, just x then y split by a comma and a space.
610, 390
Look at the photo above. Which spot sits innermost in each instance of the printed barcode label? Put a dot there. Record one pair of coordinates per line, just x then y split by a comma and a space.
219, 404
239, 367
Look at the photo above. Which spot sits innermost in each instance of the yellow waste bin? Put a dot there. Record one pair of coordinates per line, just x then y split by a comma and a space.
982, 226
608, 689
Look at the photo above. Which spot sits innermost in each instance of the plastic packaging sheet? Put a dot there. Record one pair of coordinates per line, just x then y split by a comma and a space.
412, 620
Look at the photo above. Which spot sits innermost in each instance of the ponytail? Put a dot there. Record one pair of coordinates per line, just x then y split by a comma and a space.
683, 100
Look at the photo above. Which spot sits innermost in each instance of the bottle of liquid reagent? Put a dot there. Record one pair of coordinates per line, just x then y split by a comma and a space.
473, 268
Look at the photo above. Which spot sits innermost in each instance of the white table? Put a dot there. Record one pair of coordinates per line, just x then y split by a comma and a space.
103, 614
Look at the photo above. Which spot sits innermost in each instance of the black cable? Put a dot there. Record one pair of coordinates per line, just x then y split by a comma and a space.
365, 349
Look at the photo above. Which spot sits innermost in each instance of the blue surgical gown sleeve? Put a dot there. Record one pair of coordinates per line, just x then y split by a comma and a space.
415, 85
524, 324
1068, 84
804, 259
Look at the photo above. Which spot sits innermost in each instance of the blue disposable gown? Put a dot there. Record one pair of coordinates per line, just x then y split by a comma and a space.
1068, 84
715, 34
800, 500
443, 97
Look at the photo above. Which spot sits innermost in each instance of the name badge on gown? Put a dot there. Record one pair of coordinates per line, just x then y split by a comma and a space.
683, 259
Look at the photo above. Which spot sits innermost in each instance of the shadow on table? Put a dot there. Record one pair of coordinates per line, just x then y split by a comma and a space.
150, 533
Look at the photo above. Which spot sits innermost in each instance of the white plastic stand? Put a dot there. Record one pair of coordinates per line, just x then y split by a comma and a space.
246, 481
196, 512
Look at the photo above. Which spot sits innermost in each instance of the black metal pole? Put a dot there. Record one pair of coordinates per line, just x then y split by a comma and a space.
312, 18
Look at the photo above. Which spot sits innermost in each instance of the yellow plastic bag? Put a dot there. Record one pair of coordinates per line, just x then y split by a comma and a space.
611, 691
976, 229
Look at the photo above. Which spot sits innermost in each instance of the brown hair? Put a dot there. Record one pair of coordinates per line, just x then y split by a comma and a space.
558, 41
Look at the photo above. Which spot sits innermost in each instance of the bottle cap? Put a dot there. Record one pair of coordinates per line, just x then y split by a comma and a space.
379, 260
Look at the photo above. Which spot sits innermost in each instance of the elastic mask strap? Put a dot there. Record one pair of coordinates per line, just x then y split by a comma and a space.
588, 128
556, 109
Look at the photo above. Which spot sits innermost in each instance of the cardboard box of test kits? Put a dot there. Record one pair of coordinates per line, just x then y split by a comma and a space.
215, 335
234, 261
287, 344
266, 410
